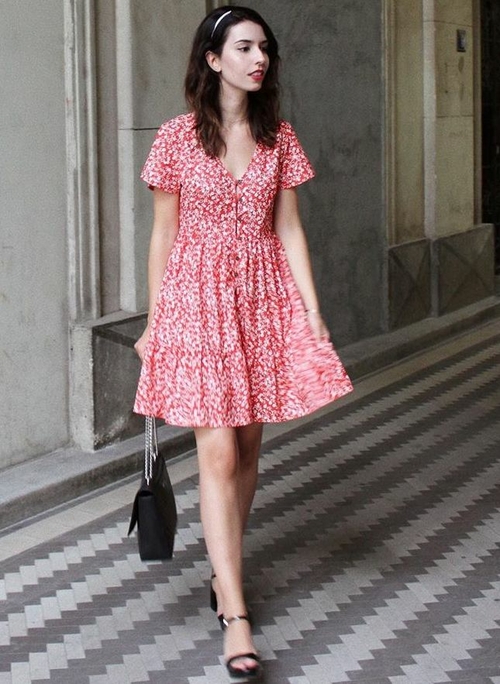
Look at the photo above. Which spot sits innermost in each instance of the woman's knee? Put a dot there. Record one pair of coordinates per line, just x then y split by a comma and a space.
217, 452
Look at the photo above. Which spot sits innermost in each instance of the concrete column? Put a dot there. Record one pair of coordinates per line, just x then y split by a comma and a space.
453, 113
107, 133
462, 262
81, 155
404, 116
433, 106
429, 117
82, 209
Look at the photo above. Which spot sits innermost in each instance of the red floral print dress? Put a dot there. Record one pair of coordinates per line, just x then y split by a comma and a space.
230, 343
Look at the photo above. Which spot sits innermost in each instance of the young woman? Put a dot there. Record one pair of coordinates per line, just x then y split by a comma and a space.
234, 337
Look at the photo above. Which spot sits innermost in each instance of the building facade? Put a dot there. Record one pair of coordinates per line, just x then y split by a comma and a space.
395, 102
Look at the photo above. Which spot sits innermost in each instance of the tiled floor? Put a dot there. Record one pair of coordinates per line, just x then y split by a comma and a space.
373, 555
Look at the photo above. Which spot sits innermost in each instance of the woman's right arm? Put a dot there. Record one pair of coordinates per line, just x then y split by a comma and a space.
165, 228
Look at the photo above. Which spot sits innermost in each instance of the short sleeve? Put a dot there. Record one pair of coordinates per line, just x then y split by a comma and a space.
295, 167
161, 169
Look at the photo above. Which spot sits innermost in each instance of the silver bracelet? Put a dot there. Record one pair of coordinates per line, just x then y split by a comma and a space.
312, 311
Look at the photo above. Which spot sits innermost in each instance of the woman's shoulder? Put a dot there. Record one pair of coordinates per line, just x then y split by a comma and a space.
285, 128
285, 131
179, 125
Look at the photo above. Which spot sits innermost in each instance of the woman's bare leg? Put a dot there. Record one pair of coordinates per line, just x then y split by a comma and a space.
249, 439
223, 511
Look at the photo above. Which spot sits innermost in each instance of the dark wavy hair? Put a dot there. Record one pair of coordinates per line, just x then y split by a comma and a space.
202, 84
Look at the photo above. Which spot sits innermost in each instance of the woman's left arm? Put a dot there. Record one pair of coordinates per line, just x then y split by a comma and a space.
289, 229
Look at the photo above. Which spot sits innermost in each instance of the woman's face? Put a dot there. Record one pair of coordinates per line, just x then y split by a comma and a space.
244, 61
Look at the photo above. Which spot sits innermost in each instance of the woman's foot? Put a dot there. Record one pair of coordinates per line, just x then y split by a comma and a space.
240, 654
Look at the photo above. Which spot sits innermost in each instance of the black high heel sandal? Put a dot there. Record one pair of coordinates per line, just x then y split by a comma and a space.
213, 603
248, 673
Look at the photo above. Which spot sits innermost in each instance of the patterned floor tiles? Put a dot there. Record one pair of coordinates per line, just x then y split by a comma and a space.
373, 555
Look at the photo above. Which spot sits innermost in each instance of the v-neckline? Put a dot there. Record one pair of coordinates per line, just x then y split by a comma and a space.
231, 176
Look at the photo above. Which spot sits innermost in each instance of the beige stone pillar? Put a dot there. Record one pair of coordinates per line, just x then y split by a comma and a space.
454, 117
431, 113
405, 106
439, 259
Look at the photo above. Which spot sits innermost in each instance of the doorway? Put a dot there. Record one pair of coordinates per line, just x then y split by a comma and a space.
490, 60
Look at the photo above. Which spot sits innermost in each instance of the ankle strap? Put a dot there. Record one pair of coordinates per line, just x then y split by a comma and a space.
236, 618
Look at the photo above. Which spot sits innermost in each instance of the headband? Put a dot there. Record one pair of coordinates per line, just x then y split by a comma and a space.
218, 22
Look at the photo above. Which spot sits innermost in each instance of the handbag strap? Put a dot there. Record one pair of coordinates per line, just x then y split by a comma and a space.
151, 447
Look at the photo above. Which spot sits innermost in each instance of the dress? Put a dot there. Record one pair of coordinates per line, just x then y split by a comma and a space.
230, 343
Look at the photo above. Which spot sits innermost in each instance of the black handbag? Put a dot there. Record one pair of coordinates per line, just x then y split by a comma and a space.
154, 508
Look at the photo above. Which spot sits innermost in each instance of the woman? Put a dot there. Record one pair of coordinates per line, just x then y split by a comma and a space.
234, 337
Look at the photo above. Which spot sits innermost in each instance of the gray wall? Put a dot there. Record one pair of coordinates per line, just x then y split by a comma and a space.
150, 90
332, 84
33, 282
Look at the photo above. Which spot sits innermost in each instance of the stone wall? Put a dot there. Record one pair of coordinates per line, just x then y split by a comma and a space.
333, 94
33, 248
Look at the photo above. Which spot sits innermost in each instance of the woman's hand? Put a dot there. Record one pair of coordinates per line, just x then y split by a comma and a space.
141, 343
317, 325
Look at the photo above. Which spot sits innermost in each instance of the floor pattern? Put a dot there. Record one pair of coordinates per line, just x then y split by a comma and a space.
373, 555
